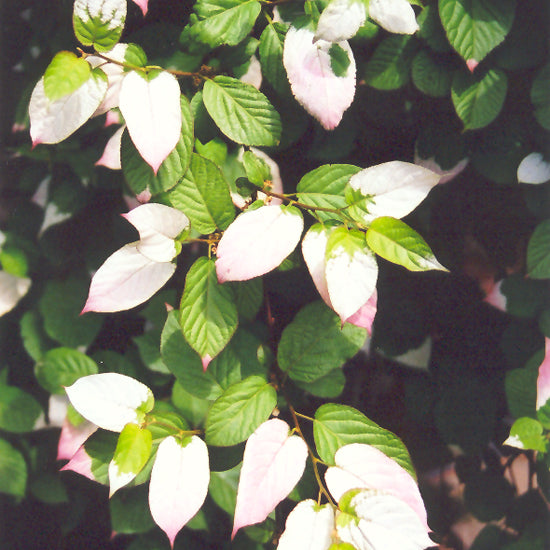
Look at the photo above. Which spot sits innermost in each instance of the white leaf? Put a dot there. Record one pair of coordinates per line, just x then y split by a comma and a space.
115, 73
446, 175
53, 121
110, 400
152, 111
12, 289
179, 483
257, 242
118, 479
110, 12
111, 154
314, 246
158, 225
395, 16
534, 169
351, 276
308, 527
314, 84
385, 523
126, 279
395, 188
273, 463
340, 20
363, 466
52, 216
253, 75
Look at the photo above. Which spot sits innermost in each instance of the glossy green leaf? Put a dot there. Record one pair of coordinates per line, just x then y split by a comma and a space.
65, 74
338, 425
60, 306
208, 310
203, 195
540, 97
396, 242
315, 343
390, 66
133, 449
224, 21
99, 23
140, 176
62, 367
430, 75
325, 187
478, 99
239, 411
19, 411
241, 112
13, 470
339, 60
538, 252
271, 57
527, 433
475, 27
257, 170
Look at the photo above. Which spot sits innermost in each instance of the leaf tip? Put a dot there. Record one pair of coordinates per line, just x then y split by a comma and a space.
472, 64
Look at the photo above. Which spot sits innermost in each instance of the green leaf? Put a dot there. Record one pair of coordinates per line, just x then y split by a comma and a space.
19, 411
223, 488
257, 170
249, 296
203, 195
224, 21
129, 511
140, 176
538, 252
390, 65
527, 433
329, 386
475, 27
65, 74
431, 29
47, 487
478, 99
338, 425
396, 242
521, 387
60, 306
325, 187
35, 340
99, 23
339, 60
61, 367
315, 343
13, 470
215, 150
208, 310
100, 447
239, 411
194, 409
432, 76
133, 449
241, 112
271, 49
540, 97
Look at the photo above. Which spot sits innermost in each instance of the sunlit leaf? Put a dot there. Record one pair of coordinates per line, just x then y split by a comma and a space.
341, 20
395, 16
534, 169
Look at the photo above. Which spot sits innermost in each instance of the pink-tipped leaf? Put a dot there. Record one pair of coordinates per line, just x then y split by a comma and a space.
273, 463
179, 483
111, 154
543, 380
72, 437
365, 315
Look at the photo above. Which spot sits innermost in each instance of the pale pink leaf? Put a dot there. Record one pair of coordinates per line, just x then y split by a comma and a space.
257, 242
472, 64
113, 117
53, 121
314, 245
543, 380
72, 437
273, 463
395, 16
126, 279
111, 154
396, 188
143, 4
364, 317
12, 289
340, 20
361, 466
351, 279
179, 483
446, 175
115, 73
308, 527
385, 522
315, 86
81, 463
534, 169
111, 400
152, 111
495, 297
